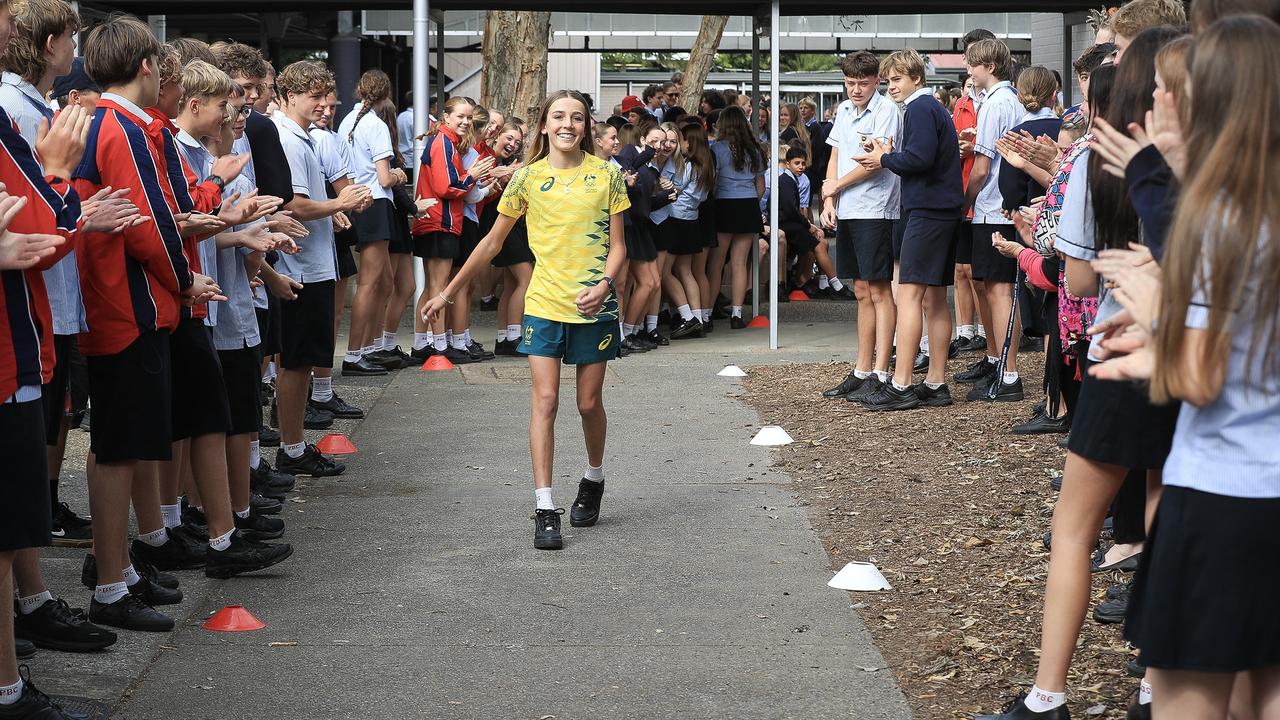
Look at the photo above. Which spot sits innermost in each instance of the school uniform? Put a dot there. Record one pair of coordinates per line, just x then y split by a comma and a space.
367, 139
1204, 596
307, 322
865, 212
791, 219
470, 236
272, 168
1017, 189
441, 175
638, 229
515, 247
336, 163
998, 112
687, 233
819, 153
737, 202
932, 191
237, 337
663, 233
404, 133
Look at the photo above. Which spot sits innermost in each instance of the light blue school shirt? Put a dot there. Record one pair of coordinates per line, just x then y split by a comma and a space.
201, 162
317, 257
732, 183
237, 326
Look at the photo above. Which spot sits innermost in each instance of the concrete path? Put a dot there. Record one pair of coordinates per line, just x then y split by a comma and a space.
415, 591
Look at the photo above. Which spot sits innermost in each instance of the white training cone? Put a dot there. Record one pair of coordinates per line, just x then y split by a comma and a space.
771, 435
732, 371
859, 576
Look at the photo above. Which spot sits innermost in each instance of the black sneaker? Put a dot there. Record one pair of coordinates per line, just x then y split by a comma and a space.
35, 705
1018, 710
316, 419
490, 305
270, 482
586, 509
866, 389
154, 594
244, 556
505, 347
1043, 425
478, 352
69, 529
458, 356
845, 293
386, 359
977, 371
55, 626
736, 323
174, 554
953, 350
657, 338
546, 529
1006, 392
89, 572
194, 532
311, 463
889, 397
268, 437
687, 329
630, 344
24, 648
1138, 711
129, 613
931, 397
1135, 668
405, 357
850, 383
259, 527
1112, 610
421, 355
644, 341
708, 325
262, 505
361, 368
339, 407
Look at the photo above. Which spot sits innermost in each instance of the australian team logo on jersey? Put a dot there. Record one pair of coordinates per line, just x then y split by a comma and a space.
590, 181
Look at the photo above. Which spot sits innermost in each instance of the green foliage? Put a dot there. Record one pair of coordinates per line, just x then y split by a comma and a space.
614, 61
791, 61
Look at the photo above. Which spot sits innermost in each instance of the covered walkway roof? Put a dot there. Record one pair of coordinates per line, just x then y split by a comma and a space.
675, 7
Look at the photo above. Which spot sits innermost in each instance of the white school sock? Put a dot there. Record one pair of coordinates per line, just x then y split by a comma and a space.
685, 312
896, 386
993, 359
502, 335
882, 375
486, 298
1144, 693
109, 593
824, 282
442, 343
31, 603
156, 538
1010, 377
172, 518
650, 322
270, 374
543, 496
1041, 700
388, 340
255, 454
703, 314
981, 330
322, 387
294, 450
466, 337
594, 474
736, 311
513, 332
242, 514
131, 576
933, 386
836, 284
422, 340
861, 375
965, 331
351, 356
459, 343
924, 343
223, 542
10, 694
369, 349
628, 330
448, 337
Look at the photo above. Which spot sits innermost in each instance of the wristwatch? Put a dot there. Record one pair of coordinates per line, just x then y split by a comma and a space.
222, 184
609, 281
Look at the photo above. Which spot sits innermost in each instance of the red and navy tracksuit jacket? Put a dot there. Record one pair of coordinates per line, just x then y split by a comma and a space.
131, 281
441, 176
26, 323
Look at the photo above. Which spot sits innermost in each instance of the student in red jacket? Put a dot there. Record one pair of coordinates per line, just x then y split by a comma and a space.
437, 236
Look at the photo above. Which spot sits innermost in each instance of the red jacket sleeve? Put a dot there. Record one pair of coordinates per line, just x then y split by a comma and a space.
446, 178
1029, 261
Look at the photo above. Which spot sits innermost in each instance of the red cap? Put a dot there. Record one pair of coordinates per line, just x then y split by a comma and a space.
631, 102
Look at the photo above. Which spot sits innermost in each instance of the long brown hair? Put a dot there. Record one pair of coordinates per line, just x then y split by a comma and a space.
699, 155
386, 112
541, 146
374, 88
732, 129
1226, 210
797, 126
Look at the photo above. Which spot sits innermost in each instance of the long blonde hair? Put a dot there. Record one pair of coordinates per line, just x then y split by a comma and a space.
1217, 239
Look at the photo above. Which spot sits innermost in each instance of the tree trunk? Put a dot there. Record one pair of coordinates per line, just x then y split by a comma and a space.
497, 76
701, 58
533, 33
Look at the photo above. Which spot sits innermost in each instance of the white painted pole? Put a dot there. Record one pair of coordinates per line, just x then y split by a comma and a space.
421, 105
775, 63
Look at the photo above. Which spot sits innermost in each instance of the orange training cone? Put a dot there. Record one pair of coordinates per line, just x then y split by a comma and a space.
335, 444
233, 618
799, 296
437, 362
759, 321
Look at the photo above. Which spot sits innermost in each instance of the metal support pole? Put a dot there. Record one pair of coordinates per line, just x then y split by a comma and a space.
755, 128
774, 63
344, 58
1068, 56
441, 93
421, 103
159, 27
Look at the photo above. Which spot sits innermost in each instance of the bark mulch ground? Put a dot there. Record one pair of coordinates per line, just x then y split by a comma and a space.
952, 508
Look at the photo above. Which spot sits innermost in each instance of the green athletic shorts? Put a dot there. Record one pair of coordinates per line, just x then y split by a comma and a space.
576, 343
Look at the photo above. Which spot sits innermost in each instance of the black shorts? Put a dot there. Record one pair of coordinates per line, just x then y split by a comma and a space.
401, 239
25, 517
928, 254
269, 325
346, 263
242, 376
199, 397
130, 395
438, 245
374, 224
640, 243
739, 216
467, 242
686, 236
864, 249
964, 242
54, 393
988, 264
799, 240
306, 332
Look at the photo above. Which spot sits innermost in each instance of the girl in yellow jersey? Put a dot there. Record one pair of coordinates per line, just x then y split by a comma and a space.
573, 204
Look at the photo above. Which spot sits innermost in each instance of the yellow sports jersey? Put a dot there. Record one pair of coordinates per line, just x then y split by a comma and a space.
567, 215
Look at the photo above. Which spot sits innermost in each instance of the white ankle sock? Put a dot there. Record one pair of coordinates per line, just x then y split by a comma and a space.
1010, 377
594, 474
835, 283
965, 331
650, 322
824, 281
543, 496
31, 603
459, 342
172, 516
422, 340
351, 356
981, 330
322, 387
685, 312
993, 359
255, 454
861, 375
107, 594
1144, 693
156, 538
736, 311
882, 376
242, 514
466, 337
442, 343
221, 543
131, 576
1041, 700
702, 314
628, 330
896, 386
10, 694
513, 332
388, 340
294, 450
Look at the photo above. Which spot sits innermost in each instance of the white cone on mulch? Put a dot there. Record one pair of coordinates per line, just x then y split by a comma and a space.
732, 371
771, 435
859, 576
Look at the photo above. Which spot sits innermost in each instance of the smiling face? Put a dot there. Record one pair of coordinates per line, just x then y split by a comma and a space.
784, 117
308, 106
861, 89
234, 107
458, 119
330, 107
655, 139
901, 85
565, 125
608, 143
507, 144
983, 75
210, 113
252, 87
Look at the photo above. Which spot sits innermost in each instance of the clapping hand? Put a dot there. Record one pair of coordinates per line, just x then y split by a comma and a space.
19, 251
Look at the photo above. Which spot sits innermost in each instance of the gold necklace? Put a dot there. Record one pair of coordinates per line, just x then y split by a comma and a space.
575, 176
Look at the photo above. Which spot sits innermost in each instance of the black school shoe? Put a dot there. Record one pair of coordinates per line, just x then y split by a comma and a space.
421, 355
69, 529
262, 505
129, 613
89, 572
24, 648
657, 338
586, 509
1113, 610
270, 482
865, 390
311, 463
736, 323
490, 305
632, 344
691, 328
56, 626
977, 371
386, 359
35, 705
479, 353
933, 397
1007, 392
259, 527
176, 553
316, 419
546, 529
889, 397
458, 356
505, 347
244, 555
1018, 710
362, 368
1138, 711
922, 362
338, 407
153, 594
850, 383
1041, 424
268, 437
